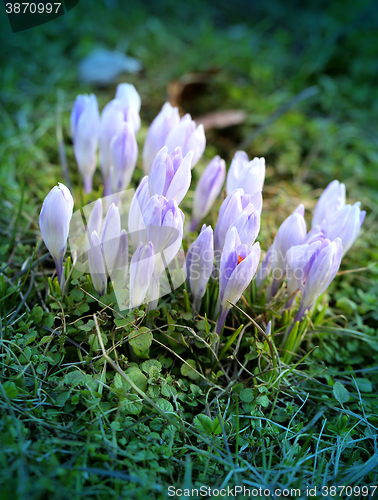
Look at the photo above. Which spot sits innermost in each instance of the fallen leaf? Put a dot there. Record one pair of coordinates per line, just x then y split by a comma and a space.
221, 119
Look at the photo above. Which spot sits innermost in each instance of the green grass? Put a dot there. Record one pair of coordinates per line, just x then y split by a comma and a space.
75, 423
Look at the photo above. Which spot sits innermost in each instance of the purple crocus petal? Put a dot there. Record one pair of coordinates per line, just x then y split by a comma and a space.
95, 218
322, 272
241, 276
208, 188
166, 120
96, 264
124, 152
331, 200
248, 225
199, 263
85, 127
54, 222
249, 175
344, 224
131, 102
141, 270
257, 200
232, 206
137, 205
189, 138
109, 237
119, 274
181, 179
112, 117
292, 232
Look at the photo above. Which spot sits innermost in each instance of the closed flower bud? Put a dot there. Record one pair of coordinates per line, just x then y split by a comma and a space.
249, 175
230, 209
291, 232
170, 174
166, 120
124, 151
85, 129
112, 118
137, 205
163, 222
324, 266
54, 222
119, 274
95, 219
188, 137
127, 94
199, 263
331, 200
141, 269
238, 266
247, 225
96, 264
110, 232
345, 224
207, 190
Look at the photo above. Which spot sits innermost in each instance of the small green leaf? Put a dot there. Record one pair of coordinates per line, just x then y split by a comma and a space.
364, 384
77, 295
203, 424
147, 365
247, 395
140, 340
263, 400
11, 389
188, 371
341, 393
165, 405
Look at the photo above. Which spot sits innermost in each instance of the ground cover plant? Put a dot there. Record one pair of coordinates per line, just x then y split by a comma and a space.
89, 407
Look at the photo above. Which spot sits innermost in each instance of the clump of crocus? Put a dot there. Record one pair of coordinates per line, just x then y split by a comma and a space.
85, 129
237, 267
199, 264
207, 190
54, 222
249, 175
188, 137
165, 121
170, 174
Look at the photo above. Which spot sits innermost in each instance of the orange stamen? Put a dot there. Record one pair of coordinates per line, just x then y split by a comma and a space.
240, 259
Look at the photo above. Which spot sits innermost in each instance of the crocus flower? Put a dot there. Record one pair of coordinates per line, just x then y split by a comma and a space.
291, 232
345, 224
162, 224
324, 266
118, 274
137, 205
232, 206
249, 175
112, 118
96, 264
188, 137
110, 233
166, 120
247, 224
238, 266
54, 222
300, 259
94, 222
85, 129
170, 174
207, 190
127, 94
124, 152
331, 200
199, 264
141, 269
